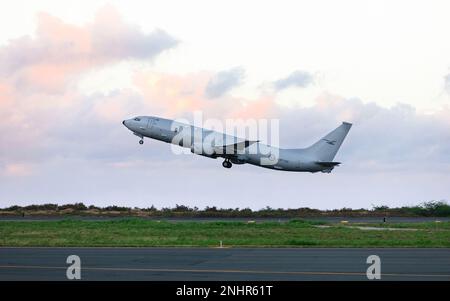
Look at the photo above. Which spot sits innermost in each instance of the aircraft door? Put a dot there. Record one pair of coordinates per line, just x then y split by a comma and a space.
150, 126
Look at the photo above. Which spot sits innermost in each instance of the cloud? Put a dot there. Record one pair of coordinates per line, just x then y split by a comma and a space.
42, 112
60, 51
297, 78
381, 139
447, 83
17, 169
114, 39
177, 96
224, 81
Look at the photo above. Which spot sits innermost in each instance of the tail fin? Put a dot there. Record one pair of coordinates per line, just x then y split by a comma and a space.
326, 148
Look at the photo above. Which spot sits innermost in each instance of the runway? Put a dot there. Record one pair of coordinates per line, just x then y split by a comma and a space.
223, 264
329, 219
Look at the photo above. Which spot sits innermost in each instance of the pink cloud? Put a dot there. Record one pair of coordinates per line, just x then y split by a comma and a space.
18, 169
6, 96
60, 51
38, 77
170, 95
174, 95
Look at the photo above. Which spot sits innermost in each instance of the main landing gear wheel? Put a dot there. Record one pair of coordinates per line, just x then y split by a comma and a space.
227, 164
141, 141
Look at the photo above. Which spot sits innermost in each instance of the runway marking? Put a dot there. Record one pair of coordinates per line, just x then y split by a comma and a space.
221, 271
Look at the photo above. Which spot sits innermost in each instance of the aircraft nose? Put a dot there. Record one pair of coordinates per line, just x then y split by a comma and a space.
123, 122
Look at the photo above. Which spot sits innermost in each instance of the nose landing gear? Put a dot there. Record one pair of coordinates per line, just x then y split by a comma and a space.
227, 163
140, 136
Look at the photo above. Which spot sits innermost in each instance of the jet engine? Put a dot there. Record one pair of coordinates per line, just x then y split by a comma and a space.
238, 161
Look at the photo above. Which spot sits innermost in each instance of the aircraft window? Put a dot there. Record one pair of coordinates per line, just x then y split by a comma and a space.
137, 119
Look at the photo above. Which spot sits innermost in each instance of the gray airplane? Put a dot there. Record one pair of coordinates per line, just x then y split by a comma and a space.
212, 144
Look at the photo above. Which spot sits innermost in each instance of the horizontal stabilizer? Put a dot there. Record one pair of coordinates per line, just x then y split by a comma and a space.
327, 164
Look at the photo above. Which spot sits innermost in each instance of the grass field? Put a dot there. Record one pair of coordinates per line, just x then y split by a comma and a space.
145, 233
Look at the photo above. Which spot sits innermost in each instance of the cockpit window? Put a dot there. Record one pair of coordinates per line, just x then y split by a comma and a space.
137, 119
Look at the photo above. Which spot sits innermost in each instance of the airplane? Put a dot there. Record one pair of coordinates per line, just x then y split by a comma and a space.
234, 150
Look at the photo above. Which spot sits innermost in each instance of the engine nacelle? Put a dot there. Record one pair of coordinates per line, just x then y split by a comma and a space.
203, 149
238, 161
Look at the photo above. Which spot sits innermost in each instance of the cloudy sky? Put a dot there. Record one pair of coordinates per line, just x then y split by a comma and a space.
71, 72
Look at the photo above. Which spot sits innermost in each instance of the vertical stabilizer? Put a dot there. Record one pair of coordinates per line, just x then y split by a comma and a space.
326, 148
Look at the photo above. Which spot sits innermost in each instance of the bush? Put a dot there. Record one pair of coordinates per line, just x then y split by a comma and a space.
76, 206
116, 208
435, 208
12, 208
431, 208
44, 207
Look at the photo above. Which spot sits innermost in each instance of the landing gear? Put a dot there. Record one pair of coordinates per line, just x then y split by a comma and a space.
140, 136
227, 163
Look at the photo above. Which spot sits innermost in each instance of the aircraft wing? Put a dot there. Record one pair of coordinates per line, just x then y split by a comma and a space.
327, 164
233, 148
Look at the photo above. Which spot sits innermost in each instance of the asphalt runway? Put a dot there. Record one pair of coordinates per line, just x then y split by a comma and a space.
219, 219
223, 264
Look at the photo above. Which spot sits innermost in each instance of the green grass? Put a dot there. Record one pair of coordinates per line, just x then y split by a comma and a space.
423, 225
145, 233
